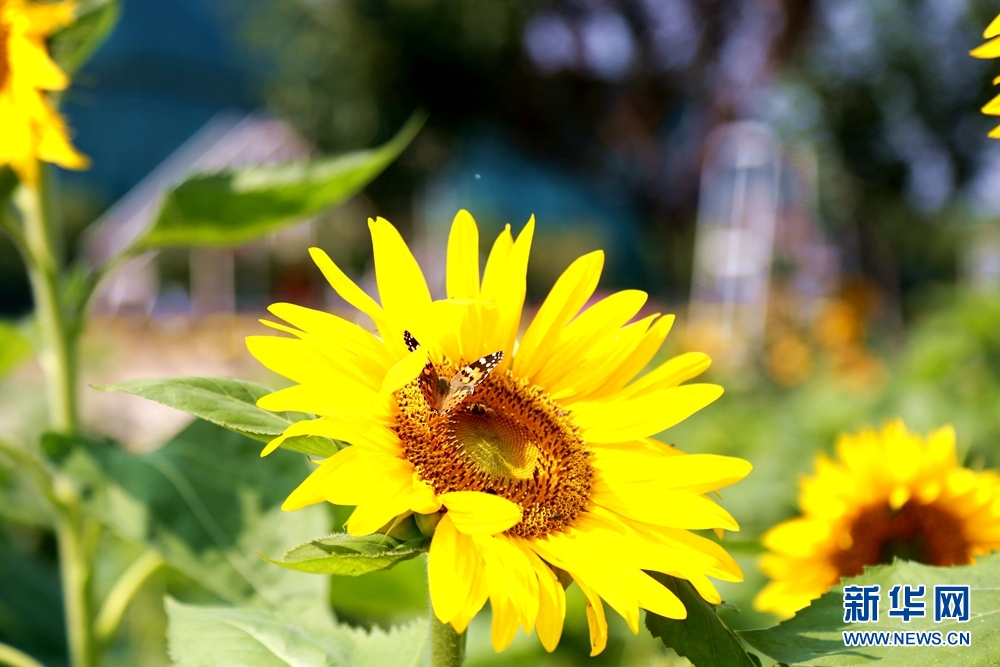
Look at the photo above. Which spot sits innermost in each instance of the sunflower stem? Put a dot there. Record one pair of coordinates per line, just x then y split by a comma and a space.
14, 658
447, 646
113, 609
74, 566
74, 533
42, 259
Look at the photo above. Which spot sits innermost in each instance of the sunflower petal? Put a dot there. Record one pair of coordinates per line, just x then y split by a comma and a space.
571, 291
310, 491
369, 516
401, 284
992, 108
346, 287
650, 503
993, 29
670, 373
449, 570
695, 473
366, 476
600, 321
510, 301
990, 49
462, 275
646, 415
346, 426
476, 513
657, 598
595, 619
404, 371
504, 627
637, 358
510, 577
478, 594
334, 330
551, 600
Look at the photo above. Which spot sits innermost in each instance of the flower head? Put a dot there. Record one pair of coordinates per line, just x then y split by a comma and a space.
533, 456
30, 127
891, 494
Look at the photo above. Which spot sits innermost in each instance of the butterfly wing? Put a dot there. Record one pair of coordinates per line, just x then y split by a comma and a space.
466, 380
410, 341
429, 380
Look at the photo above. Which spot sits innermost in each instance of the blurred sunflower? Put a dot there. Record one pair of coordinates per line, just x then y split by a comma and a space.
30, 127
891, 494
534, 459
991, 49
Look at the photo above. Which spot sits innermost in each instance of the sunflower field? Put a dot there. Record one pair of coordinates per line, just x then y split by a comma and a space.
428, 333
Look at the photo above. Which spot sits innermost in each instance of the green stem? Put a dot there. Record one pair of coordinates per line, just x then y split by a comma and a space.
113, 609
9, 226
57, 354
13, 658
75, 570
447, 646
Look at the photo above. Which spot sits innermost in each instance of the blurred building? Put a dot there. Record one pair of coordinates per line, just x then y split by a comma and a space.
165, 71
757, 233
227, 140
500, 185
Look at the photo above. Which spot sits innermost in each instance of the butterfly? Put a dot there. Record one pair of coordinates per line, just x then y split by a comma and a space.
446, 394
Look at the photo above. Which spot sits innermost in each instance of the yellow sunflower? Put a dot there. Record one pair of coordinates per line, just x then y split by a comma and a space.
892, 493
30, 127
533, 456
991, 49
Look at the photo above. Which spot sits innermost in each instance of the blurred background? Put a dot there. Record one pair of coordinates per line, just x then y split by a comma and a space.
807, 184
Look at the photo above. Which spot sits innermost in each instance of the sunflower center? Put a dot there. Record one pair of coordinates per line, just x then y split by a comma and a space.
923, 533
506, 438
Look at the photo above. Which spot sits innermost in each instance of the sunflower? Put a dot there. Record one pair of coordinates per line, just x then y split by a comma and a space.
30, 127
891, 494
533, 458
991, 49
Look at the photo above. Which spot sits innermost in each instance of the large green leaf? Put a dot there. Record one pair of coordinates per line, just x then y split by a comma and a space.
233, 637
348, 555
31, 606
229, 403
14, 347
241, 204
814, 636
207, 503
702, 637
20, 501
72, 46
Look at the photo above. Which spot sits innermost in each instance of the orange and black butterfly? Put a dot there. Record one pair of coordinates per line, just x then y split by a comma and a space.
446, 394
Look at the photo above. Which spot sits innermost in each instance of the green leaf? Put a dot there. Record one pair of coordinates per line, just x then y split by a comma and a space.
228, 403
21, 501
31, 605
57, 446
72, 46
383, 596
234, 637
814, 635
242, 204
207, 503
348, 555
14, 348
702, 637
